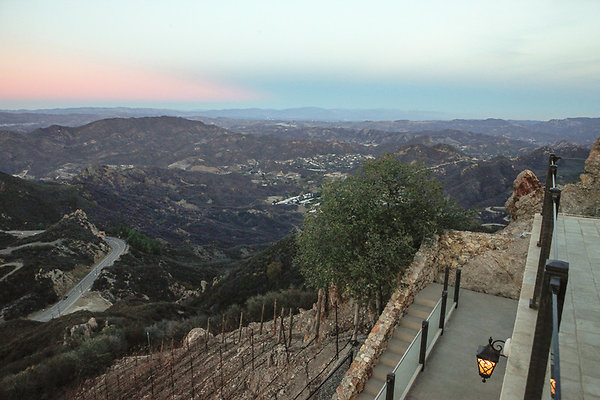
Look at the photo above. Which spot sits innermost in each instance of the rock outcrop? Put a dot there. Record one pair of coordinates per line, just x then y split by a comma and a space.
592, 165
490, 263
527, 197
583, 198
195, 335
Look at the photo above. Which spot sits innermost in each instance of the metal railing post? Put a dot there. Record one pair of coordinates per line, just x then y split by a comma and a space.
546, 243
446, 274
443, 311
550, 195
550, 174
558, 287
542, 337
546, 205
389, 386
457, 287
423, 350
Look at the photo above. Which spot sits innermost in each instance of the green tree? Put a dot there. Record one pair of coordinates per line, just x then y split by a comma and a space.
369, 226
139, 240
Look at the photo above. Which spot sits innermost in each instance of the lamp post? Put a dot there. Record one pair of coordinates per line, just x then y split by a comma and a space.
488, 356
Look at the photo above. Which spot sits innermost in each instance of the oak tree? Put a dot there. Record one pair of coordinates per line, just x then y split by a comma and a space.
368, 227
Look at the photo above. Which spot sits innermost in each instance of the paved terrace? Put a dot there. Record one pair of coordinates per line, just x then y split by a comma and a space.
451, 373
450, 370
578, 241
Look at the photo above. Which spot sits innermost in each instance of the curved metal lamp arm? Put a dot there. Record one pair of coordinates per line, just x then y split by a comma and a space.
497, 345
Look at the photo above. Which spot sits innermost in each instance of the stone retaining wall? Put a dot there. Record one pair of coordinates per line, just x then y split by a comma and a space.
490, 263
421, 273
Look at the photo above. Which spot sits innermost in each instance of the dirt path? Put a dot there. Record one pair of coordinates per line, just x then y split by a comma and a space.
9, 250
18, 266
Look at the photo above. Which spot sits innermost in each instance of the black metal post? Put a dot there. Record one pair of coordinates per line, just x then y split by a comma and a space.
546, 243
546, 205
555, 269
457, 287
291, 327
545, 239
389, 386
443, 310
555, 285
423, 350
550, 174
446, 274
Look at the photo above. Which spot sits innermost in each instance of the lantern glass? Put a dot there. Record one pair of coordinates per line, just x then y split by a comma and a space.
552, 387
486, 367
487, 358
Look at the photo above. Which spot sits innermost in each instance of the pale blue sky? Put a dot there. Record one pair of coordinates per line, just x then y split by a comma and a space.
509, 59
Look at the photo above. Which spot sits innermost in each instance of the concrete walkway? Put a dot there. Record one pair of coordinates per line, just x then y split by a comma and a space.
579, 337
578, 241
451, 370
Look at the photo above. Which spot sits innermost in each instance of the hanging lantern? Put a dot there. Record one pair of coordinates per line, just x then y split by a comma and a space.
487, 358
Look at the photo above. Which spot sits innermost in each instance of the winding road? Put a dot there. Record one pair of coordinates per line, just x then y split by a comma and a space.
62, 307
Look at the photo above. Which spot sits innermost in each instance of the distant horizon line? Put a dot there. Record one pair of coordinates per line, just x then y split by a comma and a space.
386, 114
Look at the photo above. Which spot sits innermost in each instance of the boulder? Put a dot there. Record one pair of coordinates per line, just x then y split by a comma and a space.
592, 164
194, 335
527, 197
84, 330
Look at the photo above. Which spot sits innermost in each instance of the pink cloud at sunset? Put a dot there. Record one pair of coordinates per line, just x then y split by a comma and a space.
28, 78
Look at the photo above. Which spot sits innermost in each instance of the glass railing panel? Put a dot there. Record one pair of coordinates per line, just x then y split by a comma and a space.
409, 363
434, 323
405, 369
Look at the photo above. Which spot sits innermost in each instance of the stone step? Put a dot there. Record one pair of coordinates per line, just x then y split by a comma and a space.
380, 372
405, 333
397, 346
371, 389
420, 310
390, 359
427, 302
410, 321
430, 295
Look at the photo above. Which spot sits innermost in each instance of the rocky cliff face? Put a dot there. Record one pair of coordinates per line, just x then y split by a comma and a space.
527, 197
490, 263
583, 198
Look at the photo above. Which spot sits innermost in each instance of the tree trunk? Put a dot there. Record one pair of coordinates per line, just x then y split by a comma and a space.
318, 319
325, 303
356, 313
377, 306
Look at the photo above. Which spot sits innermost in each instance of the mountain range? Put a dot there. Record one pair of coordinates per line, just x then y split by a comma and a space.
575, 130
188, 182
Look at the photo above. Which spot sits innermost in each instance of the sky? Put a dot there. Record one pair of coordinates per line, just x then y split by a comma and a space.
462, 59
